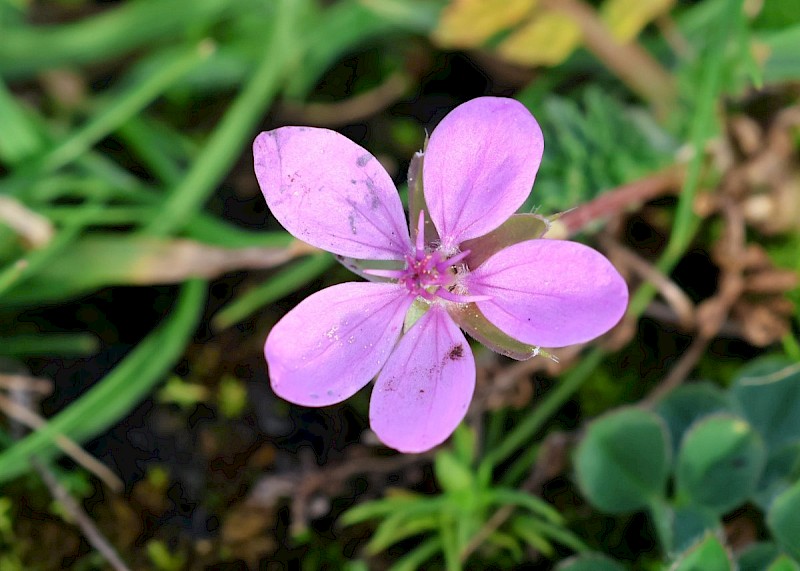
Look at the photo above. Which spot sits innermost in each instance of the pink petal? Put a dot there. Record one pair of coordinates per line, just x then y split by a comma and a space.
479, 167
331, 193
550, 293
335, 341
425, 388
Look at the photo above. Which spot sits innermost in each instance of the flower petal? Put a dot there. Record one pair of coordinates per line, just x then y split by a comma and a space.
550, 293
425, 388
328, 191
335, 341
480, 165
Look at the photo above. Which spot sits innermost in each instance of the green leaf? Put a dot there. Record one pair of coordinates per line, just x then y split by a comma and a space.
690, 524
415, 558
590, 562
276, 286
783, 519
126, 259
687, 404
783, 61
119, 391
401, 526
623, 461
536, 505
783, 563
27, 50
465, 444
384, 507
757, 556
708, 555
719, 463
556, 532
768, 393
451, 473
781, 471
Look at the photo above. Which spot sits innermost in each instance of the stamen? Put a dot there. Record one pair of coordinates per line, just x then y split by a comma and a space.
458, 257
429, 274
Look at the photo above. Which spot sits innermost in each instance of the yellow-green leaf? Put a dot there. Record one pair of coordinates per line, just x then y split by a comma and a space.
548, 39
469, 23
626, 18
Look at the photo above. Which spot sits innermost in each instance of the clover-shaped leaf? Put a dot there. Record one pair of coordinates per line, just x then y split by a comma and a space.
784, 520
719, 463
768, 393
687, 404
708, 555
623, 462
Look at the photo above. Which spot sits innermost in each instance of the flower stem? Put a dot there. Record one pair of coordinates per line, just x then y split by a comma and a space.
554, 400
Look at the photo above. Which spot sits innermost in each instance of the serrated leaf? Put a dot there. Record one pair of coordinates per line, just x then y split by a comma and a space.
783, 519
622, 464
719, 463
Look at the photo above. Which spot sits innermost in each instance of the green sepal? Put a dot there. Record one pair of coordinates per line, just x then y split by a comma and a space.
518, 228
469, 317
417, 310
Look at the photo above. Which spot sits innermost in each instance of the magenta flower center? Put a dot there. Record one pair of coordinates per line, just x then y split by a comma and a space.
427, 272
432, 274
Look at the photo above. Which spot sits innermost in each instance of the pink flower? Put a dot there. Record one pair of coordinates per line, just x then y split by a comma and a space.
473, 266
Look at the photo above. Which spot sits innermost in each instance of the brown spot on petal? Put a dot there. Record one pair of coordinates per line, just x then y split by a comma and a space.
456, 353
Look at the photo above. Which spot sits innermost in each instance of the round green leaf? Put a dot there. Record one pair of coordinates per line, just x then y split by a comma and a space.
590, 562
768, 393
781, 471
687, 404
623, 461
690, 524
708, 555
784, 520
719, 463
757, 556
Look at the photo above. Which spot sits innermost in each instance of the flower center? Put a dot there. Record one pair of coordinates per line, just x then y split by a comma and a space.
428, 272
431, 274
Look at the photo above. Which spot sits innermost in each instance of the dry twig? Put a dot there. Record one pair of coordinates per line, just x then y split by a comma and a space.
93, 535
